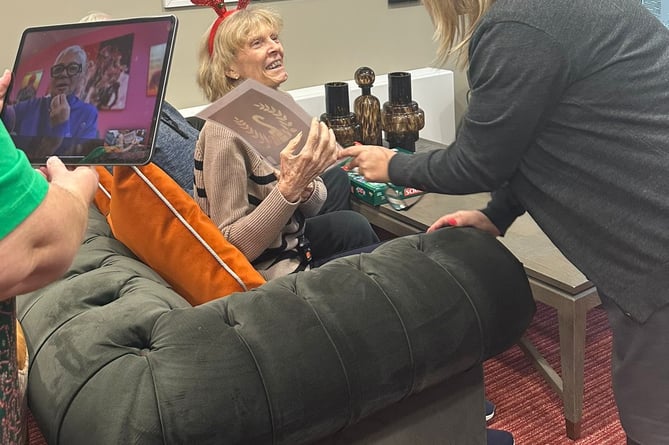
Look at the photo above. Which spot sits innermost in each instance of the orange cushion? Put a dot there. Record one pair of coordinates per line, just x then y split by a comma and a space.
165, 228
103, 194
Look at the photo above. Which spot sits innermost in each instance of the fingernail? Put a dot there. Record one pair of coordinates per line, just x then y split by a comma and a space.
451, 222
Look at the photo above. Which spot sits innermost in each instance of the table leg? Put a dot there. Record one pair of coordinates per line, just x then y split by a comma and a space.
571, 322
571, 312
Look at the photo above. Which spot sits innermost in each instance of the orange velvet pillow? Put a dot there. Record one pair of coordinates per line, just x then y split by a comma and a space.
103, 194
161, 224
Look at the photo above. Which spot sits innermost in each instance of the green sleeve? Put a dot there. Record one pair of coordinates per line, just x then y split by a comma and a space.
22, 188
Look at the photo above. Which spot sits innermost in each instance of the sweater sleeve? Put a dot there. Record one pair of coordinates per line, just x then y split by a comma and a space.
503, 209
517, 75
226, 169
22, 188
313, 205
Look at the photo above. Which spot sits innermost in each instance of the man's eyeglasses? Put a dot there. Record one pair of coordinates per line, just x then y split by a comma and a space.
71, 69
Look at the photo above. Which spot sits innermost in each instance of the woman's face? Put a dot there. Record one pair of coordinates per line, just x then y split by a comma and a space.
261, 59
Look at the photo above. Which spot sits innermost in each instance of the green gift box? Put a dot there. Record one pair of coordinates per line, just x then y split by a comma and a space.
370, 192
374, 193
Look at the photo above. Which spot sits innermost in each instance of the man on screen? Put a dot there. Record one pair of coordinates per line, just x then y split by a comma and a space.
60, 114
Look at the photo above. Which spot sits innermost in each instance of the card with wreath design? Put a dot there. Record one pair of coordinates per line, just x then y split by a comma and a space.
265, 118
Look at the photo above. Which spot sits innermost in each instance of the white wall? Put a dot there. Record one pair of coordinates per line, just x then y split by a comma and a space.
432, 90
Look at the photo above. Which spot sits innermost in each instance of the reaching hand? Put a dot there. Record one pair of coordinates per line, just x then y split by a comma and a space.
299, 170
472, 218
372, 161
59, 110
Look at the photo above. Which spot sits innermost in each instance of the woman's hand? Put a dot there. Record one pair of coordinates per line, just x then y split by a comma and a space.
472, 218
372, 161
299, 170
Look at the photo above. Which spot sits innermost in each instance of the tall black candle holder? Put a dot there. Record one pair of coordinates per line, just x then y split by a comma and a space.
401, 118
338, 115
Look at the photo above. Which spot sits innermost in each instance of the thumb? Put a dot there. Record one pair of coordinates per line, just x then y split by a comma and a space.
55, 167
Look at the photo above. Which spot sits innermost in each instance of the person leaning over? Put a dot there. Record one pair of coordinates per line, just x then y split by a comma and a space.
568, 119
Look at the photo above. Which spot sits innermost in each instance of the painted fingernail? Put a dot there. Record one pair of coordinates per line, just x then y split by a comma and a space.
451, 222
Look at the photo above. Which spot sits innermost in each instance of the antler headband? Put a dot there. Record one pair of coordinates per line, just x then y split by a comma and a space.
222, 12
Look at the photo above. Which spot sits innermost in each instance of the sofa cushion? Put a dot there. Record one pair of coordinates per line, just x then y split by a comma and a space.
175, 145
165, 228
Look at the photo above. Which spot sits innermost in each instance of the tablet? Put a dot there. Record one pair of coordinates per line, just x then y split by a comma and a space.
90, 93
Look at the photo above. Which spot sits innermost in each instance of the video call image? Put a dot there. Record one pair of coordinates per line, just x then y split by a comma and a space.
88, 94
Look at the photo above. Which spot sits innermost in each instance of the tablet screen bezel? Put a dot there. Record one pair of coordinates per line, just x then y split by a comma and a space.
129, 144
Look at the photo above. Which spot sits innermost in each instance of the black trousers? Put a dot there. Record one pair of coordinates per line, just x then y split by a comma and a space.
337, 230
640, 373
339, 191
339, 233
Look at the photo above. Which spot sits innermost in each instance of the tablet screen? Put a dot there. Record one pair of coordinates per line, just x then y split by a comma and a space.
90, 93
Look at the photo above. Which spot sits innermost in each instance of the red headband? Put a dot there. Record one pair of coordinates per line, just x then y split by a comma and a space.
222, 12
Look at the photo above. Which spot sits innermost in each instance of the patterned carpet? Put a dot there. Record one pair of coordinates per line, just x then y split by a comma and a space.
35, 437
526, 405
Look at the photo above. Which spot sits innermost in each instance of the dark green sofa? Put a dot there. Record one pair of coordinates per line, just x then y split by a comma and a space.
384, 347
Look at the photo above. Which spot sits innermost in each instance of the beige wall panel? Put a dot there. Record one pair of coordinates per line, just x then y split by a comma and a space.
325, 40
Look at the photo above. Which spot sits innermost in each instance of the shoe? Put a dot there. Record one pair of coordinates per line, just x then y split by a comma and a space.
498, 437
489, 410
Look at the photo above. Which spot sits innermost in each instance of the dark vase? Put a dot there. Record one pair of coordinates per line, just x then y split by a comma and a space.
367, 108
401, 117
338, 114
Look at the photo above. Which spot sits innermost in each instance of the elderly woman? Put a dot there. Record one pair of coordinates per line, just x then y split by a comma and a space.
274, 218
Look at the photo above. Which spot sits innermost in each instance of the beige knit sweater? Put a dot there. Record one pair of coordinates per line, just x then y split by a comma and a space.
237, 189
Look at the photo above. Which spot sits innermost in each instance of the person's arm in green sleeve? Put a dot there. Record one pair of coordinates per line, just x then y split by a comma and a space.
42, 247
42, 221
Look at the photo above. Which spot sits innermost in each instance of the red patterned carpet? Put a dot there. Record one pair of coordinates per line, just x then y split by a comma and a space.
526, 405
34, 435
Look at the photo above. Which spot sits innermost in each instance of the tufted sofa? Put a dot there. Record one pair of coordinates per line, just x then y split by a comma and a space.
384, 347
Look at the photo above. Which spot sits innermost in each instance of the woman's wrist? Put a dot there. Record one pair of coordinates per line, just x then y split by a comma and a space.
288, 192
307, 192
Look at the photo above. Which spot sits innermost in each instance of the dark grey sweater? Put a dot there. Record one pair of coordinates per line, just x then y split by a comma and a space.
569, 107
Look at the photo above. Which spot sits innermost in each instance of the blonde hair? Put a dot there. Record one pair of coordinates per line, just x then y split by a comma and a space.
455, 22
95, 16
231, 36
